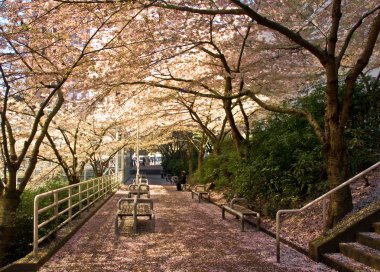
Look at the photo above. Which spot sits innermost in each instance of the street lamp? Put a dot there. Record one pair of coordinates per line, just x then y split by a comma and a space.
138, 153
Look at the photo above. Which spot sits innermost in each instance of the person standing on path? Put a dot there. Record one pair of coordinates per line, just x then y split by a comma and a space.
182, 181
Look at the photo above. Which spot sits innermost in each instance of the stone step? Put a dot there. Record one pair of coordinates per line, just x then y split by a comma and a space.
376, 227
361, 253
370, 239
342, 263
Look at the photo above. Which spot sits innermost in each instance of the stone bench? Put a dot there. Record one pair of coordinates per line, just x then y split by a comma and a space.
138, 189
240, 211
133, 207
200, 191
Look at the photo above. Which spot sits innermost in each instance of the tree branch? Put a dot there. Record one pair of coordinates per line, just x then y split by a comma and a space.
312, 121
39, 140
290, 34
4, 116
352, 31
335, 20
358, 68
179, 89
242, 48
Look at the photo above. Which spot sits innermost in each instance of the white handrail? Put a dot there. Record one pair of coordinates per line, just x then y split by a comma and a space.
77, 198
323, 197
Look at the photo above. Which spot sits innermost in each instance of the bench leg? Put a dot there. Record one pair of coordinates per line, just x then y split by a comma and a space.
223, 213
192, 195
134, 223
258, 223
135, 216
199, 198
242, 223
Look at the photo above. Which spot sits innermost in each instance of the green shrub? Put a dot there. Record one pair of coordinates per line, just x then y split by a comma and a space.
284, 163
24, 219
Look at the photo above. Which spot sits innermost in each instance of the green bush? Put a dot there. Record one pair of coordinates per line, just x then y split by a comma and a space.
24, 219
284, 163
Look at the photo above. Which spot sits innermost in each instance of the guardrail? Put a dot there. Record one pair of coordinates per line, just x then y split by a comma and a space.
324, 205
56, 208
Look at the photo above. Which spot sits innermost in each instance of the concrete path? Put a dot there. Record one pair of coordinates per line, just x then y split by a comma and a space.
187, 236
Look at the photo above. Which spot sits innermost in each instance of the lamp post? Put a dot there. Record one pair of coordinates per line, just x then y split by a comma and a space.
138, 153
116, 159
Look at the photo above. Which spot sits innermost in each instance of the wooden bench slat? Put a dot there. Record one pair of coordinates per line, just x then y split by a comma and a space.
142, 210
200, 190
241, 212
200, 194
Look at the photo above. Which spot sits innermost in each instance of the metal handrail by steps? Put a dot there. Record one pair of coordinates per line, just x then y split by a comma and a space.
323, 198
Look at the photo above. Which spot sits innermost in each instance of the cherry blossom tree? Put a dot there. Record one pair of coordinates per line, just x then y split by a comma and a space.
329, 41
83, 140
43, 58
216, 65
341, 37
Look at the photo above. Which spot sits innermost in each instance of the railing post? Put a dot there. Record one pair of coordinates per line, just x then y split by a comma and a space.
35, 226
278, 227
103, 186
80, 197
104, 181
88, 197
98, 189
70, 203
56, 207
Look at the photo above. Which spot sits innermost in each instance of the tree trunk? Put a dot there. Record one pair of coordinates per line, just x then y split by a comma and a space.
8, 208
217, 149
336, 166
236, 135
190, 150
200, 160
97, 172
96, 168
73, 179
10, 189
335, 149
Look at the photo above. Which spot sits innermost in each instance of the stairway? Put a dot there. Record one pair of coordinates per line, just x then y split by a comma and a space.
360, 256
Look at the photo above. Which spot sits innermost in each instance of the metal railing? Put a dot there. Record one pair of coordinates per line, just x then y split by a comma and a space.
324, 205
56, 208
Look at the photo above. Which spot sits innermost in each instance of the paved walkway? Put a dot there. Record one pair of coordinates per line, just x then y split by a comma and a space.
187, 236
